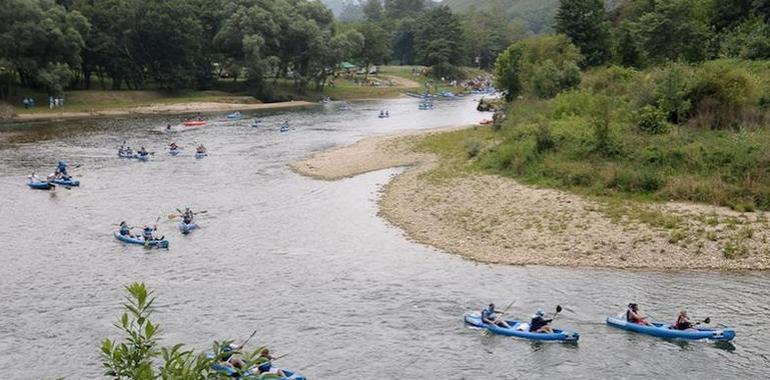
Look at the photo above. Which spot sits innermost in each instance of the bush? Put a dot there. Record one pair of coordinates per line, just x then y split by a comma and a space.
544, 139
651, 120
721, 96
635, 181
613, 80
472, 148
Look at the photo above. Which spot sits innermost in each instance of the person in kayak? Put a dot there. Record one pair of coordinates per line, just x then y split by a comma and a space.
125, 230
683, 322
173, 146
489, 317
142, 152
634, 315
61, 170
187, 216
148, 232
265, 365
128, 151
200, 149
168, 127
539, 324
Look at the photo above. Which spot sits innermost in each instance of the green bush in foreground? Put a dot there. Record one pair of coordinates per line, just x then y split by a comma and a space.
137, 356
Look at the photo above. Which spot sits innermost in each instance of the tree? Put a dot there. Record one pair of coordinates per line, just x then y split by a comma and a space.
373, 10
440, 39
674, 30
540, 66
585, 23
42, 42
376, 47
396, 9
507, 71
403, 40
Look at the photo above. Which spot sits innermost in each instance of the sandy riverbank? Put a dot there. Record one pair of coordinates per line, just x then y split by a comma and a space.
499, 220
157, 109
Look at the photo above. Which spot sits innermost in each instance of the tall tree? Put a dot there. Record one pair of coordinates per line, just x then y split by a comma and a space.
585, 23
440, 39
373, 10
396, 9
376, 47
674, 30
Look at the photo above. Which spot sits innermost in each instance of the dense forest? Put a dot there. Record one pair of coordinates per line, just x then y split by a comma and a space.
52, 45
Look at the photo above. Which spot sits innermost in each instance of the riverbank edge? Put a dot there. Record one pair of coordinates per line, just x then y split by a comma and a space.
154, 109
497, 220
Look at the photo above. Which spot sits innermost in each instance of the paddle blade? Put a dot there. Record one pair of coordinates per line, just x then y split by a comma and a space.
558, 308
707, 320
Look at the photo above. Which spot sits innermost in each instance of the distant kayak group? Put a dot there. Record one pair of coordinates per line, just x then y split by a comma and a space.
148, 236
539, 328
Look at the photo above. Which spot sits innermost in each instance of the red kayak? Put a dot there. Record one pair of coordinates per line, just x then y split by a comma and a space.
485, 122
194, 123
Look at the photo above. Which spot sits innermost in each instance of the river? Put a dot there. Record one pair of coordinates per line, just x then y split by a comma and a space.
309, 264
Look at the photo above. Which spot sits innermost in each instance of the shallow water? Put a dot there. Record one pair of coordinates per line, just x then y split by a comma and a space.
309, 264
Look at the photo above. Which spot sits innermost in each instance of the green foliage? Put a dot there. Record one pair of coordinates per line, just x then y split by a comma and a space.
649, 119
440, 39
585, 23
472, 147
598, 147
748, 40
507, 71
376, 47
539, 66
133, 358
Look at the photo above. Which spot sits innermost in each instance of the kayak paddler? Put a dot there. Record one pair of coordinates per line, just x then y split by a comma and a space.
200, 149
187, 216
634, 315
142, 152
61, 169
147, 233
539, 324
125, 230
265, 364
683, 322
489, 317
173, 146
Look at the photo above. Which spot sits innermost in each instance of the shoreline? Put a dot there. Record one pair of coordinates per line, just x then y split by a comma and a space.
497, 220
154, 109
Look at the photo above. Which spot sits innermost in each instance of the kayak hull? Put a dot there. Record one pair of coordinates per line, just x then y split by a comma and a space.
200, 155
40, 185
194, 123
230, 372
662, 330
174, 152
66, 182
140, 241
135, 156
558, 335
187, 228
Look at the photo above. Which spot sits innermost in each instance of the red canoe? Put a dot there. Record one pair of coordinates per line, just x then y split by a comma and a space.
194, 123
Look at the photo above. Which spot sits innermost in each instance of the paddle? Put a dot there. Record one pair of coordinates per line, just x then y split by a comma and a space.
174, 216
247, 340
486, 331
558, 310
706, 321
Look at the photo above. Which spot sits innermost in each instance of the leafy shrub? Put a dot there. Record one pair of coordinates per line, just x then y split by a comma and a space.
613, 80
472, 148
636, 181
721, 95
649, 119
544, 140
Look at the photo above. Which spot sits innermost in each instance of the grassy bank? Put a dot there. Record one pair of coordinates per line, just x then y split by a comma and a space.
682, 133
228, 91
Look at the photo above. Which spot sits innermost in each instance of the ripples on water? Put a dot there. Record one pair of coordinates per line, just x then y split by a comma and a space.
309, 264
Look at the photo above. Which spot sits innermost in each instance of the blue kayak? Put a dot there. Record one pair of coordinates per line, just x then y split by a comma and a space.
200, 155
234, 116
663, 330
41, 185
186, 228
230, 372
558, 335
66, 182
174, 152
139, 240
135, 156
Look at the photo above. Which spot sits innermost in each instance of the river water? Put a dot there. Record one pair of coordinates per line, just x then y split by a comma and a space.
309, 264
